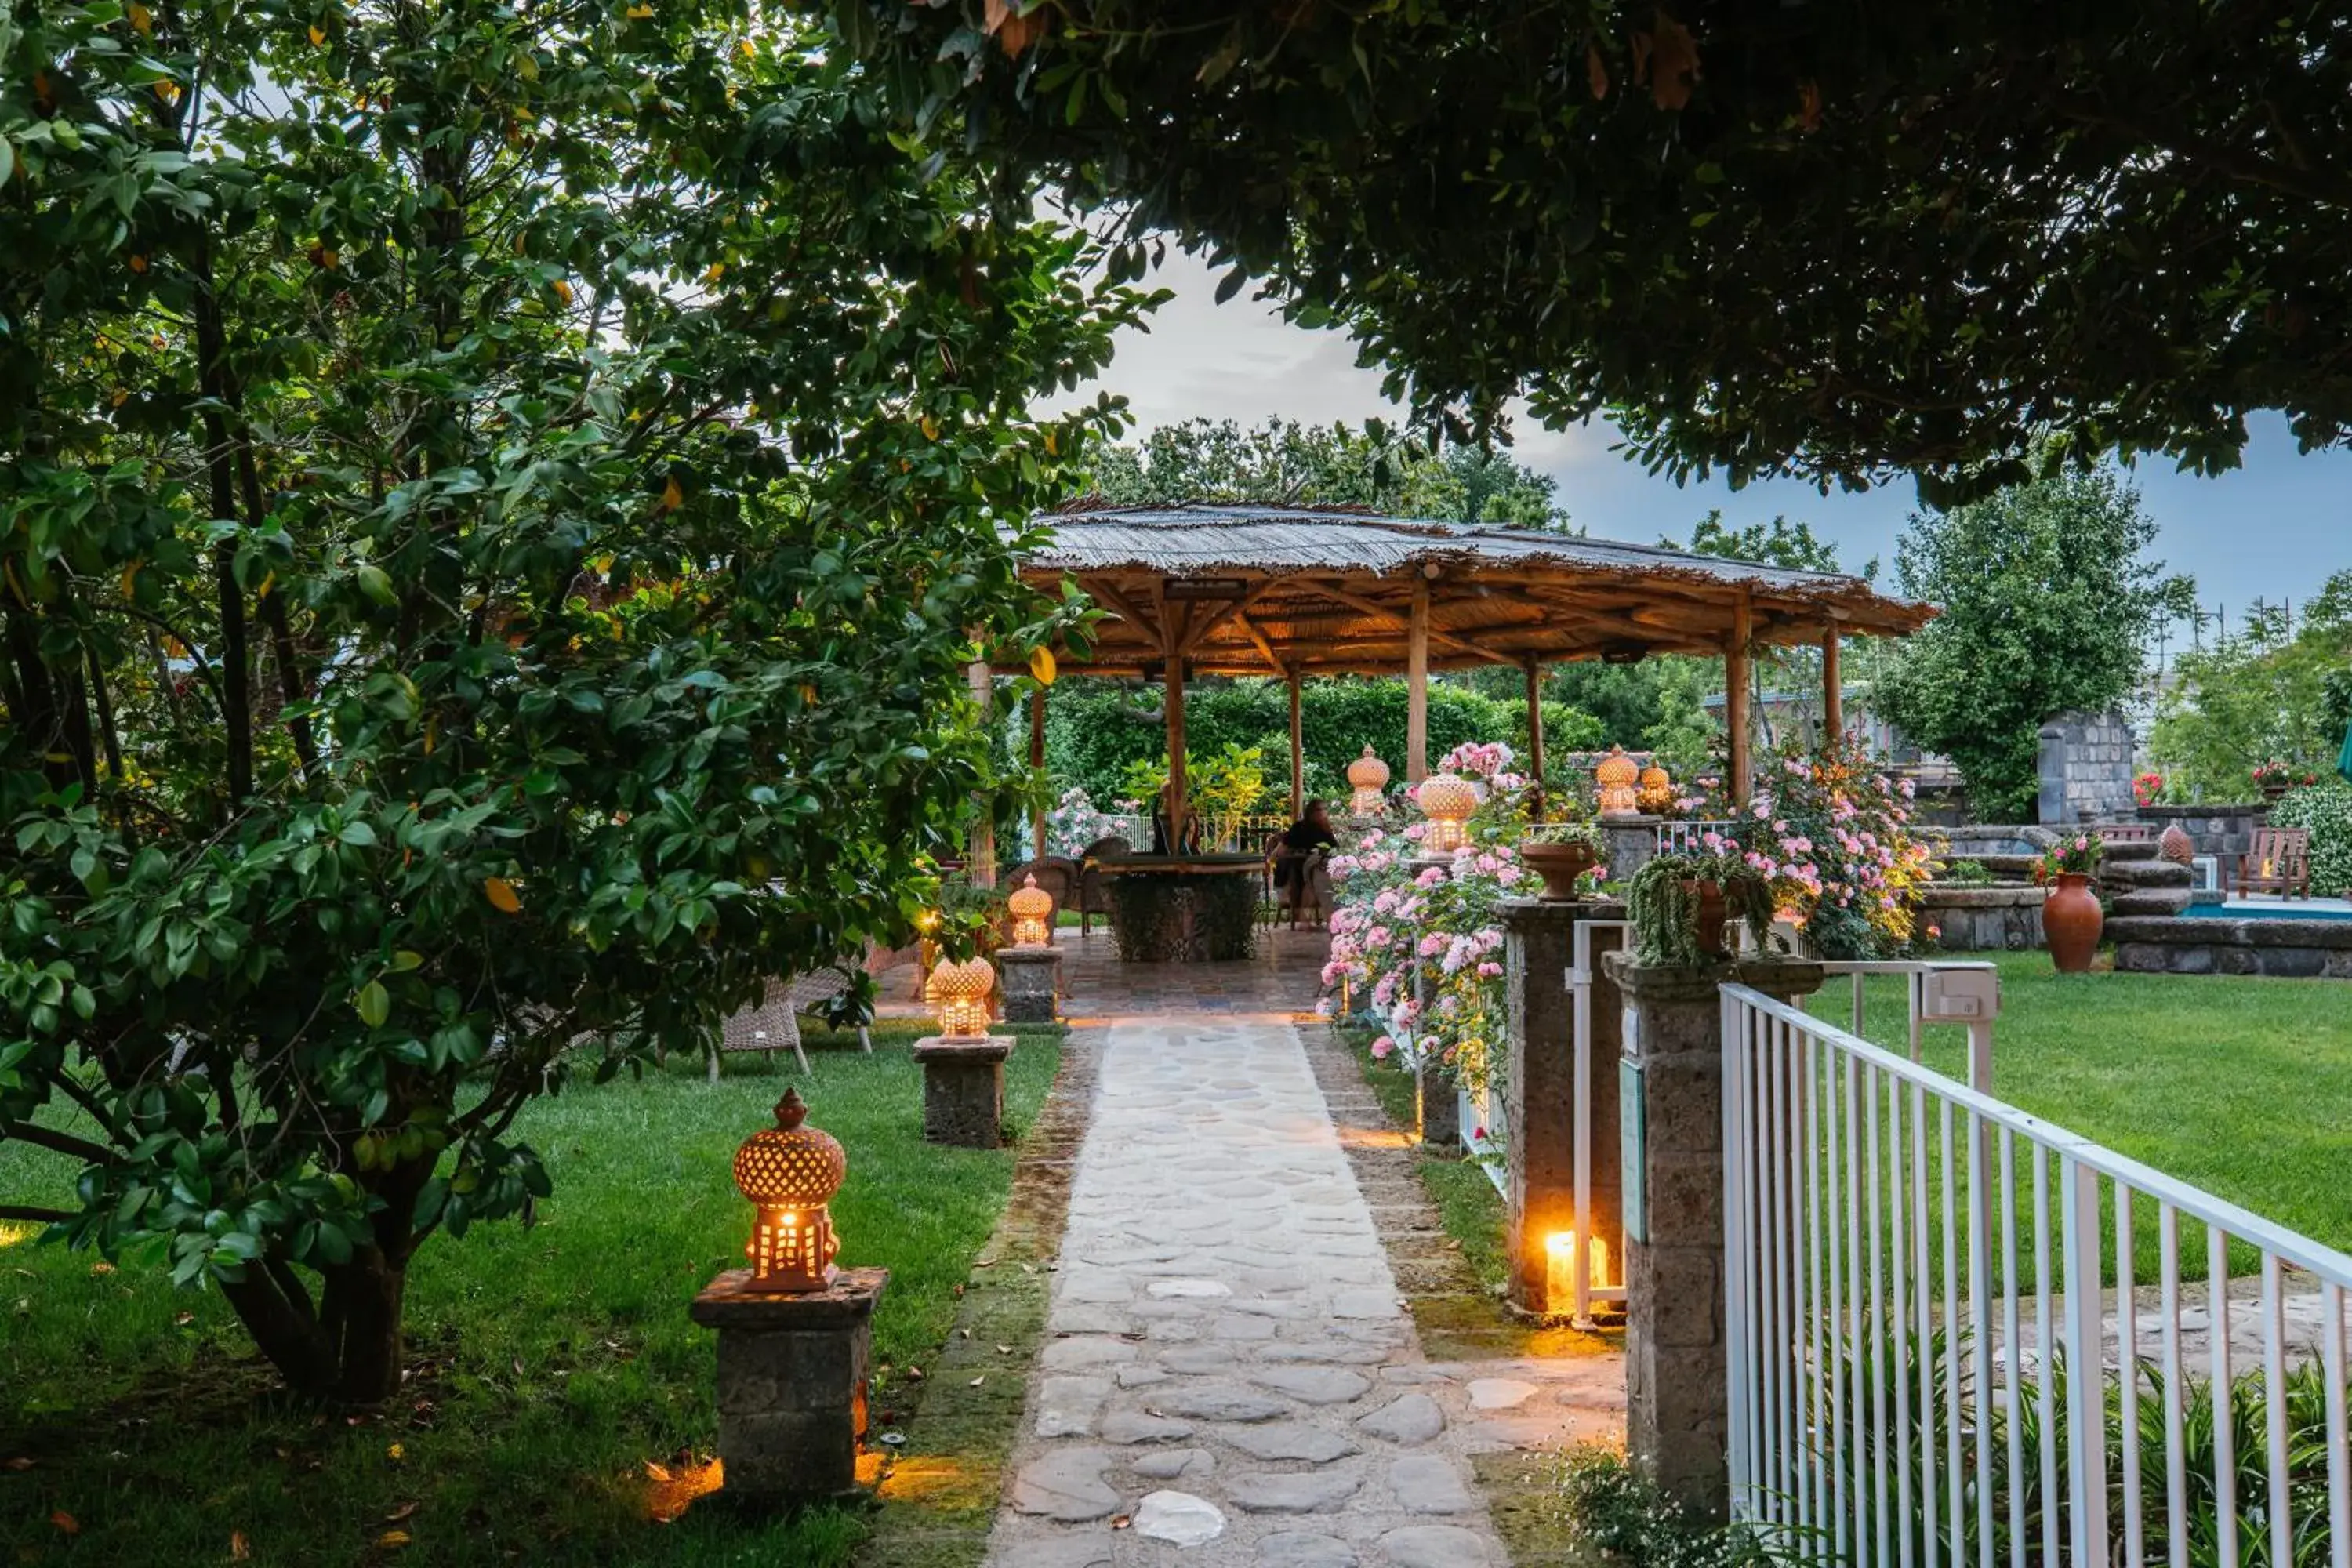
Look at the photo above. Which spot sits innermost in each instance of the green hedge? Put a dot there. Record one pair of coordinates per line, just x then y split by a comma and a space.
1094, 728
2327, 810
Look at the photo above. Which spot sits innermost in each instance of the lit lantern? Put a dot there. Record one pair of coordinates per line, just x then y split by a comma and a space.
1656, 794
960, 992
1447, 802
1032, 914
1616, 775
1559, 1269
789, 1173
1368, 777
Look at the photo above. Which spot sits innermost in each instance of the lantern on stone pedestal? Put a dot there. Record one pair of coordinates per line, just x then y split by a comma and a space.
1448, 801
1032, 908
789, 1173
1616, 776
1368, 782
1655, 794
960, 991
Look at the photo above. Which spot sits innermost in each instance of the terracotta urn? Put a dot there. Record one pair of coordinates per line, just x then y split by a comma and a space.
2176, 845
1714, 914
2071, 921
1560, 866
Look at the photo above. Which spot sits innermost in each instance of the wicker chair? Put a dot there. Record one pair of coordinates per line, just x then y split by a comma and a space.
775, 1025
1094, 897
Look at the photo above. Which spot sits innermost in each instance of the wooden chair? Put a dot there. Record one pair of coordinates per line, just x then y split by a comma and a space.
2279, 862
775, 1025
1094, 897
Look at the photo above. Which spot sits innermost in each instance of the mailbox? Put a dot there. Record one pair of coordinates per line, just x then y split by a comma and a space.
1960, 996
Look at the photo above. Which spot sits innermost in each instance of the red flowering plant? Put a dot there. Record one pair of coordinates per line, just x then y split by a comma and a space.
2147, 787
2076, 857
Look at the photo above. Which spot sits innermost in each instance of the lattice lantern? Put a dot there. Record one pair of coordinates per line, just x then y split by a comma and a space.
1656, 790
1448, 801
960, 992
1032, 908
1367, 779
789, 1173
1616, 775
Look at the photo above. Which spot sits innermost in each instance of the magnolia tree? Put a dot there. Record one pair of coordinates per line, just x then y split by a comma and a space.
497, 502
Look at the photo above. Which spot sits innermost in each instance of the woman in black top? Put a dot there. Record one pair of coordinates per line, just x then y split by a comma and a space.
1301, 839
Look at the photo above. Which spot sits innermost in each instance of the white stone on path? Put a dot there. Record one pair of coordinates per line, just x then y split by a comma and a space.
1179, 1517
1499, 1393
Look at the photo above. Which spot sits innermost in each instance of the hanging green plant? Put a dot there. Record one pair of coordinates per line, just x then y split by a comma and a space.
1665, 897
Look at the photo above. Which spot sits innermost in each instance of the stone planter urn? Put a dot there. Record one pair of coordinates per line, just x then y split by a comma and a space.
1714, 914
2071, 921
1560, 866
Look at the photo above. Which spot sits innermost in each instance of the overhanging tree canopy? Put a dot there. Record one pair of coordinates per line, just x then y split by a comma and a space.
1839, 239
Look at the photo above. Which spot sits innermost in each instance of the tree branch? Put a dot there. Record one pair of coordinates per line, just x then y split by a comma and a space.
81, 1148
38, 1216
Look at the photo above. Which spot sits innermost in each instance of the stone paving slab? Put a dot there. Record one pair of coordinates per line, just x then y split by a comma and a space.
1233, 1380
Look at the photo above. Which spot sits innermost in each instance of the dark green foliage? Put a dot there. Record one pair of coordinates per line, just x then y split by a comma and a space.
495, 506
1616, 1518
1663, 903
2050, 603
2278, 689
1845, 239
1284, 463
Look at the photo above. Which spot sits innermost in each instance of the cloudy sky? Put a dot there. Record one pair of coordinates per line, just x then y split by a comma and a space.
2271, 530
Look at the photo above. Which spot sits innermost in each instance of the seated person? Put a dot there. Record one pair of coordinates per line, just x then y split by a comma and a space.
1301, 839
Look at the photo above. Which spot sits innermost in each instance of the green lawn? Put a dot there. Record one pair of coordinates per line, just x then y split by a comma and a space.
550, 1364
2238, 1086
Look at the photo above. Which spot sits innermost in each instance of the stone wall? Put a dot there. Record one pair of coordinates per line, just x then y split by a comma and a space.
2296, 949
1983, 919
2086, 768
2227, 831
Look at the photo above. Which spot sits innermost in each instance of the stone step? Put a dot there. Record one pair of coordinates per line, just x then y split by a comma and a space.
2148, 901
2132, 852
2148, 874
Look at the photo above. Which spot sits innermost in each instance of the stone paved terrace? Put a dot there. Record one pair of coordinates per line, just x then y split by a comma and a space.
1231, 1377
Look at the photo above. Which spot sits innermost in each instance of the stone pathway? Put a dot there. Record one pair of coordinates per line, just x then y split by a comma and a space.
1231, 1378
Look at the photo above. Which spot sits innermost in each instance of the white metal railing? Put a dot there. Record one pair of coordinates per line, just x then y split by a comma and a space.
1675, 837
1938, 991
1904, 1391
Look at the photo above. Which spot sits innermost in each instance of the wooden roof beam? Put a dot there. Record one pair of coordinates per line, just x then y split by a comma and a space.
1380, 612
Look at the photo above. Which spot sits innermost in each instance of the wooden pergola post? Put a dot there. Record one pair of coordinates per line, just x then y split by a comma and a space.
1178, 805
1833, 689
1416, 686
1735, 697
1535, 730
1297, 753
982, 868
1037, 766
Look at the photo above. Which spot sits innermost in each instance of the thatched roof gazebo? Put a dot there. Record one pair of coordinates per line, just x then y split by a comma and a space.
1290, 591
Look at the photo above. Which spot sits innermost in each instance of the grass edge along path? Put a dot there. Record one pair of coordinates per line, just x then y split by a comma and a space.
940, 1496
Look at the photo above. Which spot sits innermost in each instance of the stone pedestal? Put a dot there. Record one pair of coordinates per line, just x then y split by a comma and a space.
1627, 844
1031, 981
792, 1384
963, 1089
1677, 1415
1541, 1088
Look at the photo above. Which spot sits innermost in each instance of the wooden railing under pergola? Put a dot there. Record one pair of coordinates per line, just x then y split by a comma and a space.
1288, 593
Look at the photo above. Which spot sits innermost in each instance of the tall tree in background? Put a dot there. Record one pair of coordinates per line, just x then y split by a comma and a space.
2262, 694
1843, 240
496, 502
1284, 463
2050, 603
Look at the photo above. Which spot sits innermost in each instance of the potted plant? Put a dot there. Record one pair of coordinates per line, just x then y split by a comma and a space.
2272, 777
1560, 853
2071, 916
1679, 905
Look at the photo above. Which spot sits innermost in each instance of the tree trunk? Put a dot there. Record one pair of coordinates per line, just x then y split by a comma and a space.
346, 1351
